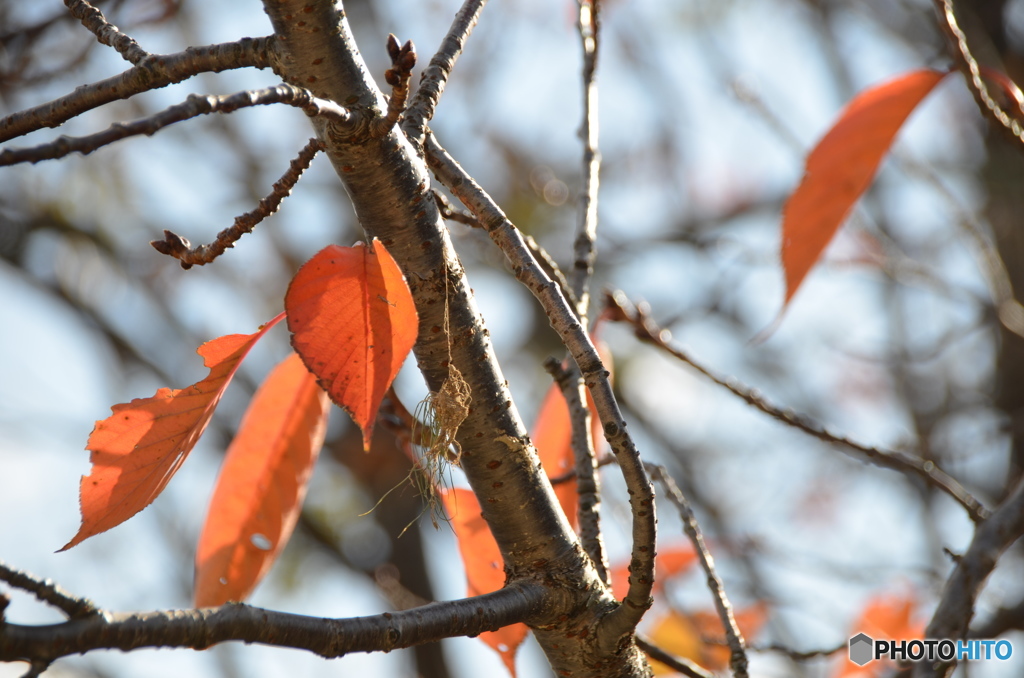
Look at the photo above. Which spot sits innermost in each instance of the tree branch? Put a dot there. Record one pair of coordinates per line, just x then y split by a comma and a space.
678, 664
586, 233
734, 638
623, 619
648, 331
180, 248
194, 106
153, 72
588, 485
107, 33
48, 592
968, 65
199, 629
546, 261
956, 608
403, 58
434, 77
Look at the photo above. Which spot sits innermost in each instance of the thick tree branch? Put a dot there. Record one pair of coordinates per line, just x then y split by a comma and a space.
192, 107
199, 629
956, 608
648, 331
107, 33
389, 186
180, 248
153, 72
624, 618
432, 82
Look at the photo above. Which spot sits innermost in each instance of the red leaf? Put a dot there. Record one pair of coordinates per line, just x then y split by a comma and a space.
353, 322
484, 567
841, 167
137, 449
262, 484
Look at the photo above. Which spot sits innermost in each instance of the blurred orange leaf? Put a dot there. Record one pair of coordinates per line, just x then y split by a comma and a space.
841, 167
485, 571
667, 564
138, 448
685, 635
887, 616
262, 484
353, 322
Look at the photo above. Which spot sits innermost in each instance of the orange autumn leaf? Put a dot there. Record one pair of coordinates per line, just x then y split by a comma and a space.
841, 167
137, 449
686, 635
353, 322
885, 617
552, 436
667, 564
262, 484
484, 565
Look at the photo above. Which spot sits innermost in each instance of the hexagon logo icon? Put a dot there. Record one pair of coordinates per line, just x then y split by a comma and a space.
860, 649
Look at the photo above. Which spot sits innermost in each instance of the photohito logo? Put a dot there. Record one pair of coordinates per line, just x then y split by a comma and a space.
864, 649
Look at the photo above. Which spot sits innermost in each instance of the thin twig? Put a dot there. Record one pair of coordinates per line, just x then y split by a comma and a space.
107, 33
550, 266
968, 65
48, 592
192, 107
403, 58
797, 655
435, 76
623, 620
153, 72
586, 232
737, 653
678, 664
588, 484
180, 248
646, 330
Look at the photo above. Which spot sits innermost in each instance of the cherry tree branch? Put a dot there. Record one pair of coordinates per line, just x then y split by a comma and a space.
194, 106
435, 76
968, 65
678, 664
738, 661
180, 248
586, 233
202, 628
546, 261
48, 592
153, 72
623, 619
956, 608
588, 486
403, 58
647, 331
107, 33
